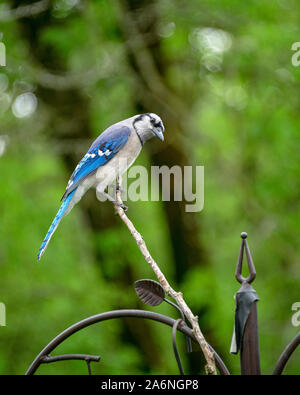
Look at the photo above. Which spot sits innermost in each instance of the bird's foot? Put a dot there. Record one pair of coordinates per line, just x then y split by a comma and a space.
125, 208
117, 187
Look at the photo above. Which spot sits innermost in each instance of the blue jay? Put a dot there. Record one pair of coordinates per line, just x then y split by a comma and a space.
110, 155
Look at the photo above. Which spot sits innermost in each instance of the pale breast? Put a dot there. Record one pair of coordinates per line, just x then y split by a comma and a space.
106, 174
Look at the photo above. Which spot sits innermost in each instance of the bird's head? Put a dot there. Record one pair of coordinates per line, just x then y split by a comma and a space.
148, 125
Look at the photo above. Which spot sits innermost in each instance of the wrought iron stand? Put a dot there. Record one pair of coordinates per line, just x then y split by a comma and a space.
244, 340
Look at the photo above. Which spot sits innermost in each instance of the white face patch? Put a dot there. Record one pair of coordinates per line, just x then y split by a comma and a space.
156, 117
146, 126
143, 123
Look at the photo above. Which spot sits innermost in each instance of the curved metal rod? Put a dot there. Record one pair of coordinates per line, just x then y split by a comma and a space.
252, 272
89, 367
117, 314
285, 356
67, 357
174, 331
188, 339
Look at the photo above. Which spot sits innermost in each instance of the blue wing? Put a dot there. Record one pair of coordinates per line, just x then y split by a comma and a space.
102, 150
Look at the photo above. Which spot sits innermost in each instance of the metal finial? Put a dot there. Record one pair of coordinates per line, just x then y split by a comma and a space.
251, 267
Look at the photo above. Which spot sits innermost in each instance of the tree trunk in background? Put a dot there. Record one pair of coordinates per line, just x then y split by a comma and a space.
140, 24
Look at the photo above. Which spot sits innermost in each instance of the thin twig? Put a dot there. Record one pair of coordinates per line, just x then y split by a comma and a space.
177, 296
23, 11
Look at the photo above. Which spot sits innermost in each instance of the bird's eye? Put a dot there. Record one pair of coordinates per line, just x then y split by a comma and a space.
156, 123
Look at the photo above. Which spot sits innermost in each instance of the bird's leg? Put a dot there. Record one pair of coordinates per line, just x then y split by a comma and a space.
125, 208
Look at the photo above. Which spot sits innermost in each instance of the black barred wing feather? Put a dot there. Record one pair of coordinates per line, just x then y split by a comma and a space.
105, 147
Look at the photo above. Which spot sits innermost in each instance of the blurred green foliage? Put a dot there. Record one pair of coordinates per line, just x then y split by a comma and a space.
230, 63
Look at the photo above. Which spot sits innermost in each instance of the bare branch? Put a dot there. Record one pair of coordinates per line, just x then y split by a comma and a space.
177, 296
24, 11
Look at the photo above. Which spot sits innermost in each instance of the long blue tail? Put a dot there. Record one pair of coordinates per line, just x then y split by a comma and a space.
54, 224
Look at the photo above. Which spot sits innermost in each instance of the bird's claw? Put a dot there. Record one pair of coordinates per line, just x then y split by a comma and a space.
125, 208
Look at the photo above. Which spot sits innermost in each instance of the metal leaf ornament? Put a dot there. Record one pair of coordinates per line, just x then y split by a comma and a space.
150, 292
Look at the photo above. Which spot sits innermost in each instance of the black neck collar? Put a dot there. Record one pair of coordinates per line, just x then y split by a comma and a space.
141, 140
